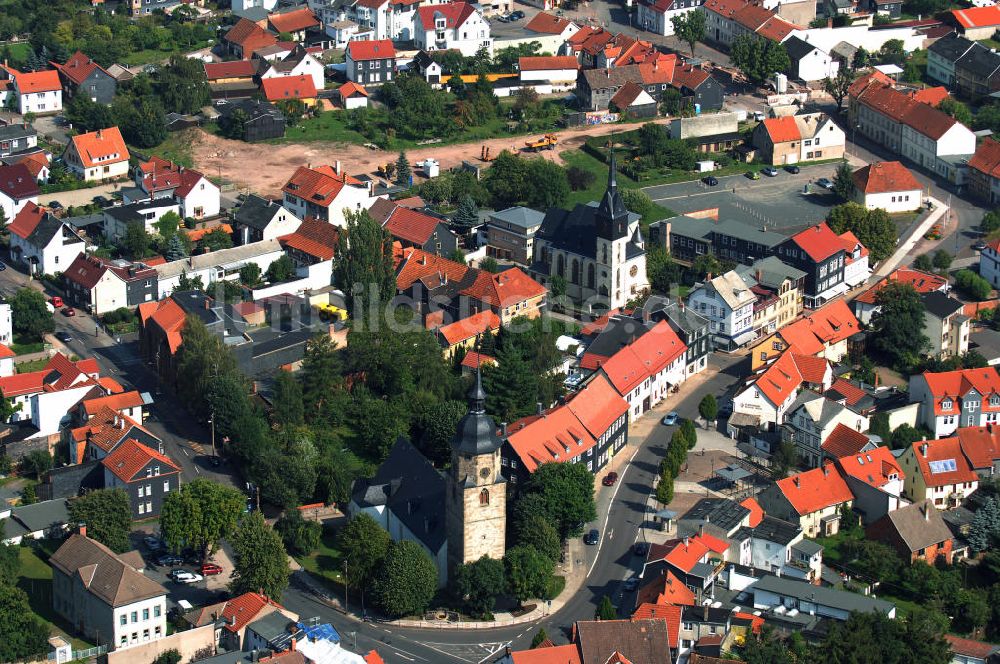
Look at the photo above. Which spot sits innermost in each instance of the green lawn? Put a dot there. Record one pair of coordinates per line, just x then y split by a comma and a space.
22, 346
583, 160
36, 580
176, 148
326, 563
19, 52
158, 55
329, 126
31, 365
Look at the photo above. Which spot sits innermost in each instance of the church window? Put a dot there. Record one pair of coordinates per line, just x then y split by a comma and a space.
561, 266
575, 274
604, 258
590, 276
484, 498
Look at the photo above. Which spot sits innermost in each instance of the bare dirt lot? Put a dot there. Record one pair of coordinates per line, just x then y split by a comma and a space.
264, 168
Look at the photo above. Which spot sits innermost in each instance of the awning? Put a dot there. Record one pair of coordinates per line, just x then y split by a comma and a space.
831, 293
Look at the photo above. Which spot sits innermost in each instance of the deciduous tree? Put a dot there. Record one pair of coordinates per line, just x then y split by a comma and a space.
708, 408
898, 326
182, 86
29, 314
107, 514
199, 515
364, 545
837, 86
260, 563
300, 536
406, 581
478, 584
528, 573
364, 265
689, 27
535, 531
25, 636
288, 406
567, 492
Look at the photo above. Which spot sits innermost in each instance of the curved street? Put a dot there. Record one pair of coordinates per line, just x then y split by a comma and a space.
622, 519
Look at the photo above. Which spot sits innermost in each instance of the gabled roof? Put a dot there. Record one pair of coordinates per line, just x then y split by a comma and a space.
781, 380
627, 95
547, 653
543, 62
918, 526
640, 641
79, 67
942, 463
454, 13
818, 241
664, 588
980, 445
36, 81
922, 282
875, 467
824, 327
756, 511
168, 316
846, 390
671, 613
371, 49
812, 369
970, 648
128, 460
318, 185
556, 435
249, 36
17, 182
288, 87
548, 24
104, 574
798, 48
350, 89
977, 17
815, 489
987, 158
234, 69
931, 96
119, 402
404, 223
951, 48
314, 237
469, 327
885, 177
597, 406
844, 440
26, 221
101, 147
955, 384
504, 289
293, 21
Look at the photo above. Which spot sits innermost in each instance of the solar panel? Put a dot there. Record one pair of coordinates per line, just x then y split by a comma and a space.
945, 466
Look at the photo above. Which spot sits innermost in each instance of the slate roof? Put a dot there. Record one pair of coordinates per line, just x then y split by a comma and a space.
409, 485
103, 573
639, 641
951, 48
940, 304
16, 130
520, 216
918, 525
979, 60
840, 599
721, 512
257, 212
42, 516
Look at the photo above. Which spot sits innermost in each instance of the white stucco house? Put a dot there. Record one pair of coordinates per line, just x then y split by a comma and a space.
42, 242
17, 189
324, 192
297, 63
454, 25
769, 395
888, 185
727, 302
952, 399
809, 62
38, 92
644, 372
655, 15
97, 155
989, 263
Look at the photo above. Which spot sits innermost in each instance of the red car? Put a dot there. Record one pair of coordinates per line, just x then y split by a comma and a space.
57, 302
69, 311
210, 569
610, 479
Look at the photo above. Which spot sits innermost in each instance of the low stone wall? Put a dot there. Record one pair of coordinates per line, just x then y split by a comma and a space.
187, 643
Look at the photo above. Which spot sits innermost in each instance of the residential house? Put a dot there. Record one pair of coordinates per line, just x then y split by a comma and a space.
969, 651
221, 265
767, 396
295, 23
453, 25
981, 447
977, 72
820, 254
259, 219
105, 595
244, 38
697, 561
559, 70
856, 270
891, 8
778, 289
843, 440
812, 499
726, 20
812, 420
405, 497
380, 19
866, 306
233, 615
771, 592
17, 137
261, 120
976, 23
325, 192
38, 92
779, 547
146, 475
100, 285
130, 404
510, 234
942, 56
289, 87
699, 91
950, 399
44, 243
809, 63
728, 302
589, 428
823, 332
465, 332
48, 519
352, 96
719, 517
946, 326
18, 190
646, 370
656, 15
550, 30
686, 238
297, 63
146, 7
81, 75
371, 62
937, 471
197, 197
916, 532
791, 139
104, 432
873, 474
146, 212
989, 263
232, 80
412, 228
888, 185
97, 155
637, 640
37, 162
693, 330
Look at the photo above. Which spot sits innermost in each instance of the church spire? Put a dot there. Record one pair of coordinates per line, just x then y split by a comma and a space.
612, 217
477, 395
613, 173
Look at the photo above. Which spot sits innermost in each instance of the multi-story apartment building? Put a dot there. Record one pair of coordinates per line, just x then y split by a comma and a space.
727, 301
818, 252
952, 399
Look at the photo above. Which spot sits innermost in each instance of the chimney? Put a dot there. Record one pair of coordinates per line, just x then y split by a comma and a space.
701, 529
704, 612
99, 133
923, 449
795, 481
336, 167
686, 540
927, 512
538, 405
826, 470
503, 429
81, 528
758, 275
708, 277
829, 22
291, 645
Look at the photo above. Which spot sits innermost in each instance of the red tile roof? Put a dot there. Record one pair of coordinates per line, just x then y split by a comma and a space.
101, 147
293, 21
824, 327
875, 467
249, 36
776, 29
818, 241
35, 163
371, 49
922, 282
468, 328
473, 360
17, 182
241, 611
931, 96
782, 130
627, 95
815, 489
865, 81
504, 289
415, 264
885, 177
987, 157
79, 67
234, 69
168, 316
557, 435
351, 88
404, 223
970, 648
956, 384
36, 81
980, 445
781, 380
565, 654
597, 406
671, 613
844, 440
688, 552
548, 24
373, 658
756, 511
319, 185
665, 588
314, 237
850, 242
752, 17
25, 383
288, 87
454, 13
542, 62
977, 17
852, 393
6, 352
812, 369
26, 220
118, 402
945, 450
131, 457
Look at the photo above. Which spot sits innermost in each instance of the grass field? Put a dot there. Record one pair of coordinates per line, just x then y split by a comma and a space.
326, 563
158, 55
22, 346
36, 580
176, 148
581, 159
31, 365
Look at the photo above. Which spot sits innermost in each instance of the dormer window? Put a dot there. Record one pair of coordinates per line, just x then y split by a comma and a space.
946, 404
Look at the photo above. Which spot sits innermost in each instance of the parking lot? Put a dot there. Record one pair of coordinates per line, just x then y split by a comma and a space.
784, 203
209, 589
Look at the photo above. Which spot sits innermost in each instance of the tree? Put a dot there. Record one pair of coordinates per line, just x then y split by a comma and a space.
172, 656
671, 102
233, 125
758, 58
528, 573
489, 264
661, 270
201, 514
37, 463
606, 610
250, 274
281, 270
176, 250
300, 536
321, 371
838, 86
708, 408
438, 428
467, 214
535, 531
216, 239
141, 120
539, 638
549, 185
135, 242
636, 200
167, 225
973, 285
579, 178
957, 110
898, 326
182, 86
10, 561
665, 487
843, 182
364, 264
404, 176
567, 492
364, 545
874, 637
29, 314
406, 581
260, 564
689, 28
288, 404
892, 52
25, 636
783, 459
107, 514
942, 260
873, 228
478, 584
293, 110
904, 436
924, 262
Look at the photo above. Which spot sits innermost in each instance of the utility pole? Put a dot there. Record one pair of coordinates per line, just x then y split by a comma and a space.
211, 421
345, 584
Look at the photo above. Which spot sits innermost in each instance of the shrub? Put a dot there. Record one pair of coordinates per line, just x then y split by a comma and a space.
554, 587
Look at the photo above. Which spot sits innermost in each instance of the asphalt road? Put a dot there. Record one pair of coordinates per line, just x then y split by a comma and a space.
620, 524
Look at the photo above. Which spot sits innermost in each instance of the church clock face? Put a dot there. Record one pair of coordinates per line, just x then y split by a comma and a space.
484, 473
634, 271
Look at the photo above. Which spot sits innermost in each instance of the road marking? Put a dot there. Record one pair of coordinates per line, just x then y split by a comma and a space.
607, 516
196, 470
184, 450
611, 534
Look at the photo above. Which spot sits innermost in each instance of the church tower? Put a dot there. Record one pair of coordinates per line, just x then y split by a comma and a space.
476, 493
612, 217
612, 234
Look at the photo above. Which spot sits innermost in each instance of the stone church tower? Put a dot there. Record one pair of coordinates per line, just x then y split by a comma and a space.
476, 491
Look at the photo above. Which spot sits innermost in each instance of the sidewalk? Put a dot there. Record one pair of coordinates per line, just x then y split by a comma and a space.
907, 243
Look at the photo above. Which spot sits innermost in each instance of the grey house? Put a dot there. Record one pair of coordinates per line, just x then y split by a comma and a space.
510, 234
942, 56
81, 75
16, 138
891, 8
261, 120
691, 327
816, 252
146, 476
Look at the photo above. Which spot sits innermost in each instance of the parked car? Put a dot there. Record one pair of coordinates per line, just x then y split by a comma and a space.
792, 168
170, 561
54, 205
753, 175
631, 584
670, 418
2, 267
979, 246
769, 171
102, 201
826, 183
516, 16
502, 19
152, 543
640, 548
610, 479
69, 312
184, 576
592, 537
57, 302
64, 337
711, 180
211, 569
725, 408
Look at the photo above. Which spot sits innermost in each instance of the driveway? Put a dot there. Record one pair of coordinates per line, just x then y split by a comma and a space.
79, 197
51, 128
